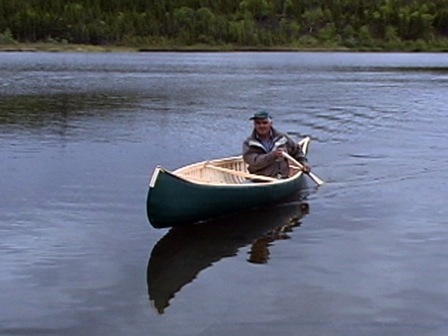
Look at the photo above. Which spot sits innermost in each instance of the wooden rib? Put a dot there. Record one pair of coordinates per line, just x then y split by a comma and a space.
197, 179
242, 174
295, 167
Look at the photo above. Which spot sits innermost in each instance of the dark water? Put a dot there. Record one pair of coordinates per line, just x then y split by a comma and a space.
366, 254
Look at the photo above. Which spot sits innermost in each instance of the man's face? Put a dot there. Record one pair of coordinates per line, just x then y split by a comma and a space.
262, 126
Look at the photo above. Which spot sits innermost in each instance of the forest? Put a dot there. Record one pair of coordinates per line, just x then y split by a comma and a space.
351, 24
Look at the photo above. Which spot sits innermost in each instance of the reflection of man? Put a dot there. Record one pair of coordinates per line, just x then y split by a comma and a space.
263, 149
259, 252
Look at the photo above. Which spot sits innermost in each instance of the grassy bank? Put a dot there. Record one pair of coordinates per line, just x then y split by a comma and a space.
45, 47
66, 47
51, 47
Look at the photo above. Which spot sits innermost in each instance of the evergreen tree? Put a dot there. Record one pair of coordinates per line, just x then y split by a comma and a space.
353, 23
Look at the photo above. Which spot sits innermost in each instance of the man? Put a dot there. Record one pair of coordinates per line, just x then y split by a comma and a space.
263, 149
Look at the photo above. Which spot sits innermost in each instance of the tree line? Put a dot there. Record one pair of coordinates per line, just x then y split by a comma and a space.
385, 24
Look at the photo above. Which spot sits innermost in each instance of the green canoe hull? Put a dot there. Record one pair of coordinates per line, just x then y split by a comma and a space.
174, 201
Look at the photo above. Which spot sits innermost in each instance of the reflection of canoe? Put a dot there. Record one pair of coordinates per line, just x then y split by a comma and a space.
213, 188
184, 251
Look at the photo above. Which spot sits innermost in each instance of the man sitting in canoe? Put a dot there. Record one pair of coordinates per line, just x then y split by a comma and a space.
263, 149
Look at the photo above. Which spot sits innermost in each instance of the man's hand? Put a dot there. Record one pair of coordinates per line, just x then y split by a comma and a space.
306, 167
279, 152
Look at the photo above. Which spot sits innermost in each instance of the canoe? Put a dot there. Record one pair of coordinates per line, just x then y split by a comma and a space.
208, 189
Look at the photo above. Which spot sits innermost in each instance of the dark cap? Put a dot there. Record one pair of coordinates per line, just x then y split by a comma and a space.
261, 115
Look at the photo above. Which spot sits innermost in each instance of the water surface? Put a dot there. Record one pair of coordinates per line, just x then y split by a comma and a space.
81, 133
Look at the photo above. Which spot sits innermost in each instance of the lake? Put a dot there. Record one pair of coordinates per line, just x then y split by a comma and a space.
365, 254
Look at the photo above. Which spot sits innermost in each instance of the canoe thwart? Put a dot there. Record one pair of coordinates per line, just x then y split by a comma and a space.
240, 173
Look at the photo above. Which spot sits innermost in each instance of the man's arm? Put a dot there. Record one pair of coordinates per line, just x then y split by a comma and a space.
255, 159
296, 152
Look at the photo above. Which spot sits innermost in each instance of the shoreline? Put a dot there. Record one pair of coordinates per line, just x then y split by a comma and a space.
61, 48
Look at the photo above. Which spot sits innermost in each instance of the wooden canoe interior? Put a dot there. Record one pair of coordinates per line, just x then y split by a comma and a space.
204, 173
199, 172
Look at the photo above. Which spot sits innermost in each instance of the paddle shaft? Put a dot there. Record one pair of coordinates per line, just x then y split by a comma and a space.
316, 179
242, 174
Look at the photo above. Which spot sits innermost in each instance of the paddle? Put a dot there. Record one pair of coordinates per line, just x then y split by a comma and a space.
316, 179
